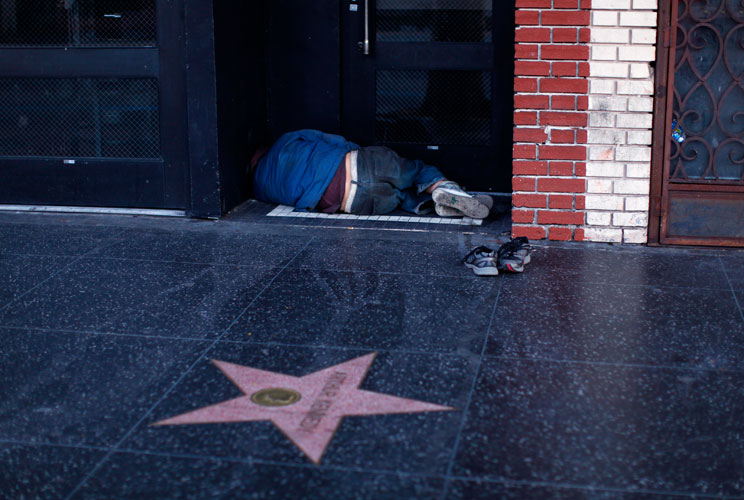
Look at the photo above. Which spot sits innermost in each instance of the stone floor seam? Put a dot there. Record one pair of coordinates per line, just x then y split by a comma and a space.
183, 375
731, 287
466, 409
67, 266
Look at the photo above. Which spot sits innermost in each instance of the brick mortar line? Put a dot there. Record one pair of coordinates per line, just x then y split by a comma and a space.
609, 44
534, 68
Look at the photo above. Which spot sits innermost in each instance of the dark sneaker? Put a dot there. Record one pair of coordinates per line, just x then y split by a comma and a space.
513, 255
521, 247
451, 195
483, 261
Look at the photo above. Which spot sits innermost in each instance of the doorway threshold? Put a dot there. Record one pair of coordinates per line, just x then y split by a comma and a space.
92, 210
285, 211
257, 212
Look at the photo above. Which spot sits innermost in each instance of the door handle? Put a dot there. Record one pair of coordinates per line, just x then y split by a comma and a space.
365, 44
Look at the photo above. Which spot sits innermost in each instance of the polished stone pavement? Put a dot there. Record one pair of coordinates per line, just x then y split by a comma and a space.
601, 372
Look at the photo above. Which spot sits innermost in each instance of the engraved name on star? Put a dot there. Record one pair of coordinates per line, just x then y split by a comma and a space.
308, 409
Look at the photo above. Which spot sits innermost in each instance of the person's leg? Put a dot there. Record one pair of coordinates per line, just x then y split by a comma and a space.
431, 188
369, 193
398, 181
406, 175
386, 181
400, 172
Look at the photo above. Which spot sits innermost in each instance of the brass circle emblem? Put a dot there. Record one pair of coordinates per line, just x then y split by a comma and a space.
275, 397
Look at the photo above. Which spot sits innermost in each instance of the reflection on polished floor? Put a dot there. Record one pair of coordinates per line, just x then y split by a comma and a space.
149, 358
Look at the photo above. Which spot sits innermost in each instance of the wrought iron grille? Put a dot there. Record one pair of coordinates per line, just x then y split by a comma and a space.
434, 107
709, 92
79, 117
77, 23
434, 20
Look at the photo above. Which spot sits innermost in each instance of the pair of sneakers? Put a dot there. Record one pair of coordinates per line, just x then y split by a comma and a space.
512, 256
452, 201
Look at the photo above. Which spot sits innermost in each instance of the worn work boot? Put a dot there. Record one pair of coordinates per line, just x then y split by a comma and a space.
449, 194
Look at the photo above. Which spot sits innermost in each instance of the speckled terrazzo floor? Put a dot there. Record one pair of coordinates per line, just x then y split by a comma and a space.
293, 361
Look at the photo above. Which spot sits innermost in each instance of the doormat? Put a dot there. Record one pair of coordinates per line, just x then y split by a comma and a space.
286, 211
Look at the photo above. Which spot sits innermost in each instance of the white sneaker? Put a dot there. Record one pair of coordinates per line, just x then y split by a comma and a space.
449, 194
444, 211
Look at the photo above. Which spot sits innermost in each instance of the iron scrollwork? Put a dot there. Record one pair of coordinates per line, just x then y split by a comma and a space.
709, 92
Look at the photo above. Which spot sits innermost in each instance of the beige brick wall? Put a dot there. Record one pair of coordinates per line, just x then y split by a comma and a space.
621, 87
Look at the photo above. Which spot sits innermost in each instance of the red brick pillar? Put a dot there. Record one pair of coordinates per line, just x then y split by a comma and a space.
550, 117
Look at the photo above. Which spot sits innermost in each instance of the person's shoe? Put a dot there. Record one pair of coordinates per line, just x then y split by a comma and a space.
483, 261
513, 255
521, 247
445, 211
451, 195
485, 199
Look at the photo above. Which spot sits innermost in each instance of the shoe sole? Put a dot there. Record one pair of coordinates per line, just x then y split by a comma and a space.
484, 199
465, 203
483, 271
514, 269
444, 211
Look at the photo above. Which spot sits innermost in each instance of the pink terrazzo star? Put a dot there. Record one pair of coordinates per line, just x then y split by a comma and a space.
322, 398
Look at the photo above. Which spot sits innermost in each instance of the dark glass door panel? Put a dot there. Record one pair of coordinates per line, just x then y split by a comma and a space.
78, 23
437, 84
92, 103
79, 117
434, 21
423, 107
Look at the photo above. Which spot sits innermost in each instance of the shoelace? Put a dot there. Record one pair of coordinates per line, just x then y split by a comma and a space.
515, 246
509, 250
479, 252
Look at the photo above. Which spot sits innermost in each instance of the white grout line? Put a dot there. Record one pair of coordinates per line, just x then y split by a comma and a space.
285, 211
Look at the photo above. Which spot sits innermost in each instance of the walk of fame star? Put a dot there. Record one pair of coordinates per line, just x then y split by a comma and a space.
308, 409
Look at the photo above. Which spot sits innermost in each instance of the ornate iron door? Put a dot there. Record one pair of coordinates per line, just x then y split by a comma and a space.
702, 199
433, 80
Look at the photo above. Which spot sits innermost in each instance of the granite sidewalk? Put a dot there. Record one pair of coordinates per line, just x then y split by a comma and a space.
601, 372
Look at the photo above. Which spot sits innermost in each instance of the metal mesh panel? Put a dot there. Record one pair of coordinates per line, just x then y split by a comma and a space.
434, 20
77, 23
434, 107
79, 117
709, 92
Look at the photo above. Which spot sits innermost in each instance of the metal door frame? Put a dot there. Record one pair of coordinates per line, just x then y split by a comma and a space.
661, 164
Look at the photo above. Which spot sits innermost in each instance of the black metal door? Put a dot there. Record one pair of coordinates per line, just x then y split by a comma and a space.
433, 79
92, 103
